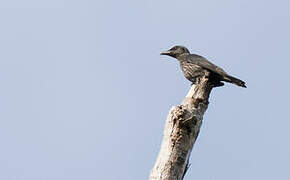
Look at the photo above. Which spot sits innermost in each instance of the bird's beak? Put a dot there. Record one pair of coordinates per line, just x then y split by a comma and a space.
165, 53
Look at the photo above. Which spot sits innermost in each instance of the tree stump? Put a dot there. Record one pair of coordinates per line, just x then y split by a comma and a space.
181, 131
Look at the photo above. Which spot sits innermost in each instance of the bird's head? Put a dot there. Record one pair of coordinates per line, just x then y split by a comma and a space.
175, 51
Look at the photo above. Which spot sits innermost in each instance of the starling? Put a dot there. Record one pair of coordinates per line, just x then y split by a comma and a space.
194, 67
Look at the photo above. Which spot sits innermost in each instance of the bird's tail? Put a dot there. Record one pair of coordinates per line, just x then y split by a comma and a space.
235, 81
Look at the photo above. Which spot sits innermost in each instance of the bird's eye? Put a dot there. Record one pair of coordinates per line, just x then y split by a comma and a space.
174, 48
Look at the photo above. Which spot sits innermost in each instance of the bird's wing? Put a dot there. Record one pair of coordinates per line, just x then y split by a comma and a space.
203, 62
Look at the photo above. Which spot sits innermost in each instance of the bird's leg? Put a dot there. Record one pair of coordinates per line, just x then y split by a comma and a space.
193, 81
198, 79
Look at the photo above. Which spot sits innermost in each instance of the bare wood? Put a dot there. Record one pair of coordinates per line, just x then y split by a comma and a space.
181, 130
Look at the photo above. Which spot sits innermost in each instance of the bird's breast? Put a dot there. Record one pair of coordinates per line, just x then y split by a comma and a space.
190, 70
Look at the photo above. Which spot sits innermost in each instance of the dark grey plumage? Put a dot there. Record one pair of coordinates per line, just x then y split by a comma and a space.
194, 66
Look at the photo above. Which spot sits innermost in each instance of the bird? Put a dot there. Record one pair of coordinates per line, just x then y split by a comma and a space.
195, 66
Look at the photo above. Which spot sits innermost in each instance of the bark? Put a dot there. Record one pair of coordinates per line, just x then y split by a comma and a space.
181, 131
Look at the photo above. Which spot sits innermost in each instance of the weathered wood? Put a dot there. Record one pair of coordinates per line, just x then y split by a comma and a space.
181, 131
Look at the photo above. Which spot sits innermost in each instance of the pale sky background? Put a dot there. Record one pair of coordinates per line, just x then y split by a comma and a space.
84, 92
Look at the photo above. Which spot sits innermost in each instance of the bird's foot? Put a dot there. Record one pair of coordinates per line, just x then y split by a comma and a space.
195, 80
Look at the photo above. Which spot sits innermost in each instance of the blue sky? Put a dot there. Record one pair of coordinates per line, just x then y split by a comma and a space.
85, 94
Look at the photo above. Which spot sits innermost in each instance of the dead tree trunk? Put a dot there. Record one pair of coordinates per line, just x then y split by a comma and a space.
181, 130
